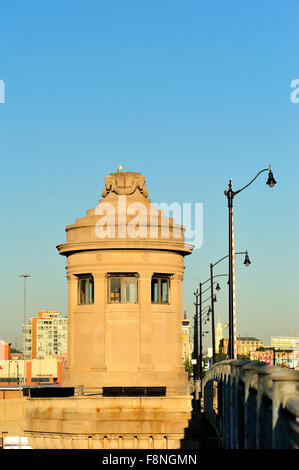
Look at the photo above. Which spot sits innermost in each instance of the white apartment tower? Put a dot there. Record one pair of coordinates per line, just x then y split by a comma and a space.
45, 335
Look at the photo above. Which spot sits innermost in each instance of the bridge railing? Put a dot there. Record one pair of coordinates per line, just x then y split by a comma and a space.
253, 406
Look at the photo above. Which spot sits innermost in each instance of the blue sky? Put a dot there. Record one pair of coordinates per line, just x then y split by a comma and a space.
189, 94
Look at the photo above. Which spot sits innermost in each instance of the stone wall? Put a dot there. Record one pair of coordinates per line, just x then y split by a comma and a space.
107, 422
12, 413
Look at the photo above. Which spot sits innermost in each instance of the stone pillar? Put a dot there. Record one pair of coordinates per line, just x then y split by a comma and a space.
72, 284
250, 409
176, 298
100, 302
145, 322
284, 386
264, 407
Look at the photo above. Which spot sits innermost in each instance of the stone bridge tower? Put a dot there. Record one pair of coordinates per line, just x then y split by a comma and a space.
124, 267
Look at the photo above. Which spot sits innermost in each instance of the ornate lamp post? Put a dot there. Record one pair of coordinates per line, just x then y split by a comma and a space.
195, 340
213, 300
247, 262
230, 194
201, 334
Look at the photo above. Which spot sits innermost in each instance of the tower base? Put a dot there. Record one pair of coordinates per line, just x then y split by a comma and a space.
83, 422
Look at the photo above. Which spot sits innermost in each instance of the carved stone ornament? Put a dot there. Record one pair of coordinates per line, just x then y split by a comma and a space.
124, 183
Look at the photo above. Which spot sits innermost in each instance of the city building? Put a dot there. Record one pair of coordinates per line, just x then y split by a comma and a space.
285, 358
285, 342
16, 356
45, 335
219, 335
38, 371
245, 345
5, 350
187, 346
223, 346
124, 273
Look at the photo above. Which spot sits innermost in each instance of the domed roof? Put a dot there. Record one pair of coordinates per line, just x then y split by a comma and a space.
125, 218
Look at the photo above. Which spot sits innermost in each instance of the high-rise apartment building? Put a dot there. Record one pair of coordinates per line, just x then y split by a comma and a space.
45, 335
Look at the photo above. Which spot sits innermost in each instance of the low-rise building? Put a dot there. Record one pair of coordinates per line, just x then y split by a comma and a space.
5, 350
38, 371
245, 345
272, 356
285, 342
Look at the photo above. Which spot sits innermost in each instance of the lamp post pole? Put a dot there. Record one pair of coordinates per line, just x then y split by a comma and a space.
247, 263
213, 299
24, 342
230, 194
211, 309
200, 337
195, 352
213, 314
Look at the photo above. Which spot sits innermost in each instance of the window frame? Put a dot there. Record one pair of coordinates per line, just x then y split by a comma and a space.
122, 277
85, 277
160, 278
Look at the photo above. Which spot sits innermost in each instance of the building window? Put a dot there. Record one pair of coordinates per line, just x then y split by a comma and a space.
122, 288
85, 289
160, 289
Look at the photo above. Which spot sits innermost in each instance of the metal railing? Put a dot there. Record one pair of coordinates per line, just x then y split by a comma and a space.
253, 406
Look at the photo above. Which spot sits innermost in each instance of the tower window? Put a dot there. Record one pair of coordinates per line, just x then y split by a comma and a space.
122, 288
160, 289
85, 289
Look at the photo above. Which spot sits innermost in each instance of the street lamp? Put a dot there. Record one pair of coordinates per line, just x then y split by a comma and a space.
271, 181
195, 340
196, 334
247, 261
211, 310
25, 275
212, 265
230, 194
207, 318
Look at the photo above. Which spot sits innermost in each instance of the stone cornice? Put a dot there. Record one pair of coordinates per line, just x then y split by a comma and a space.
125, 244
